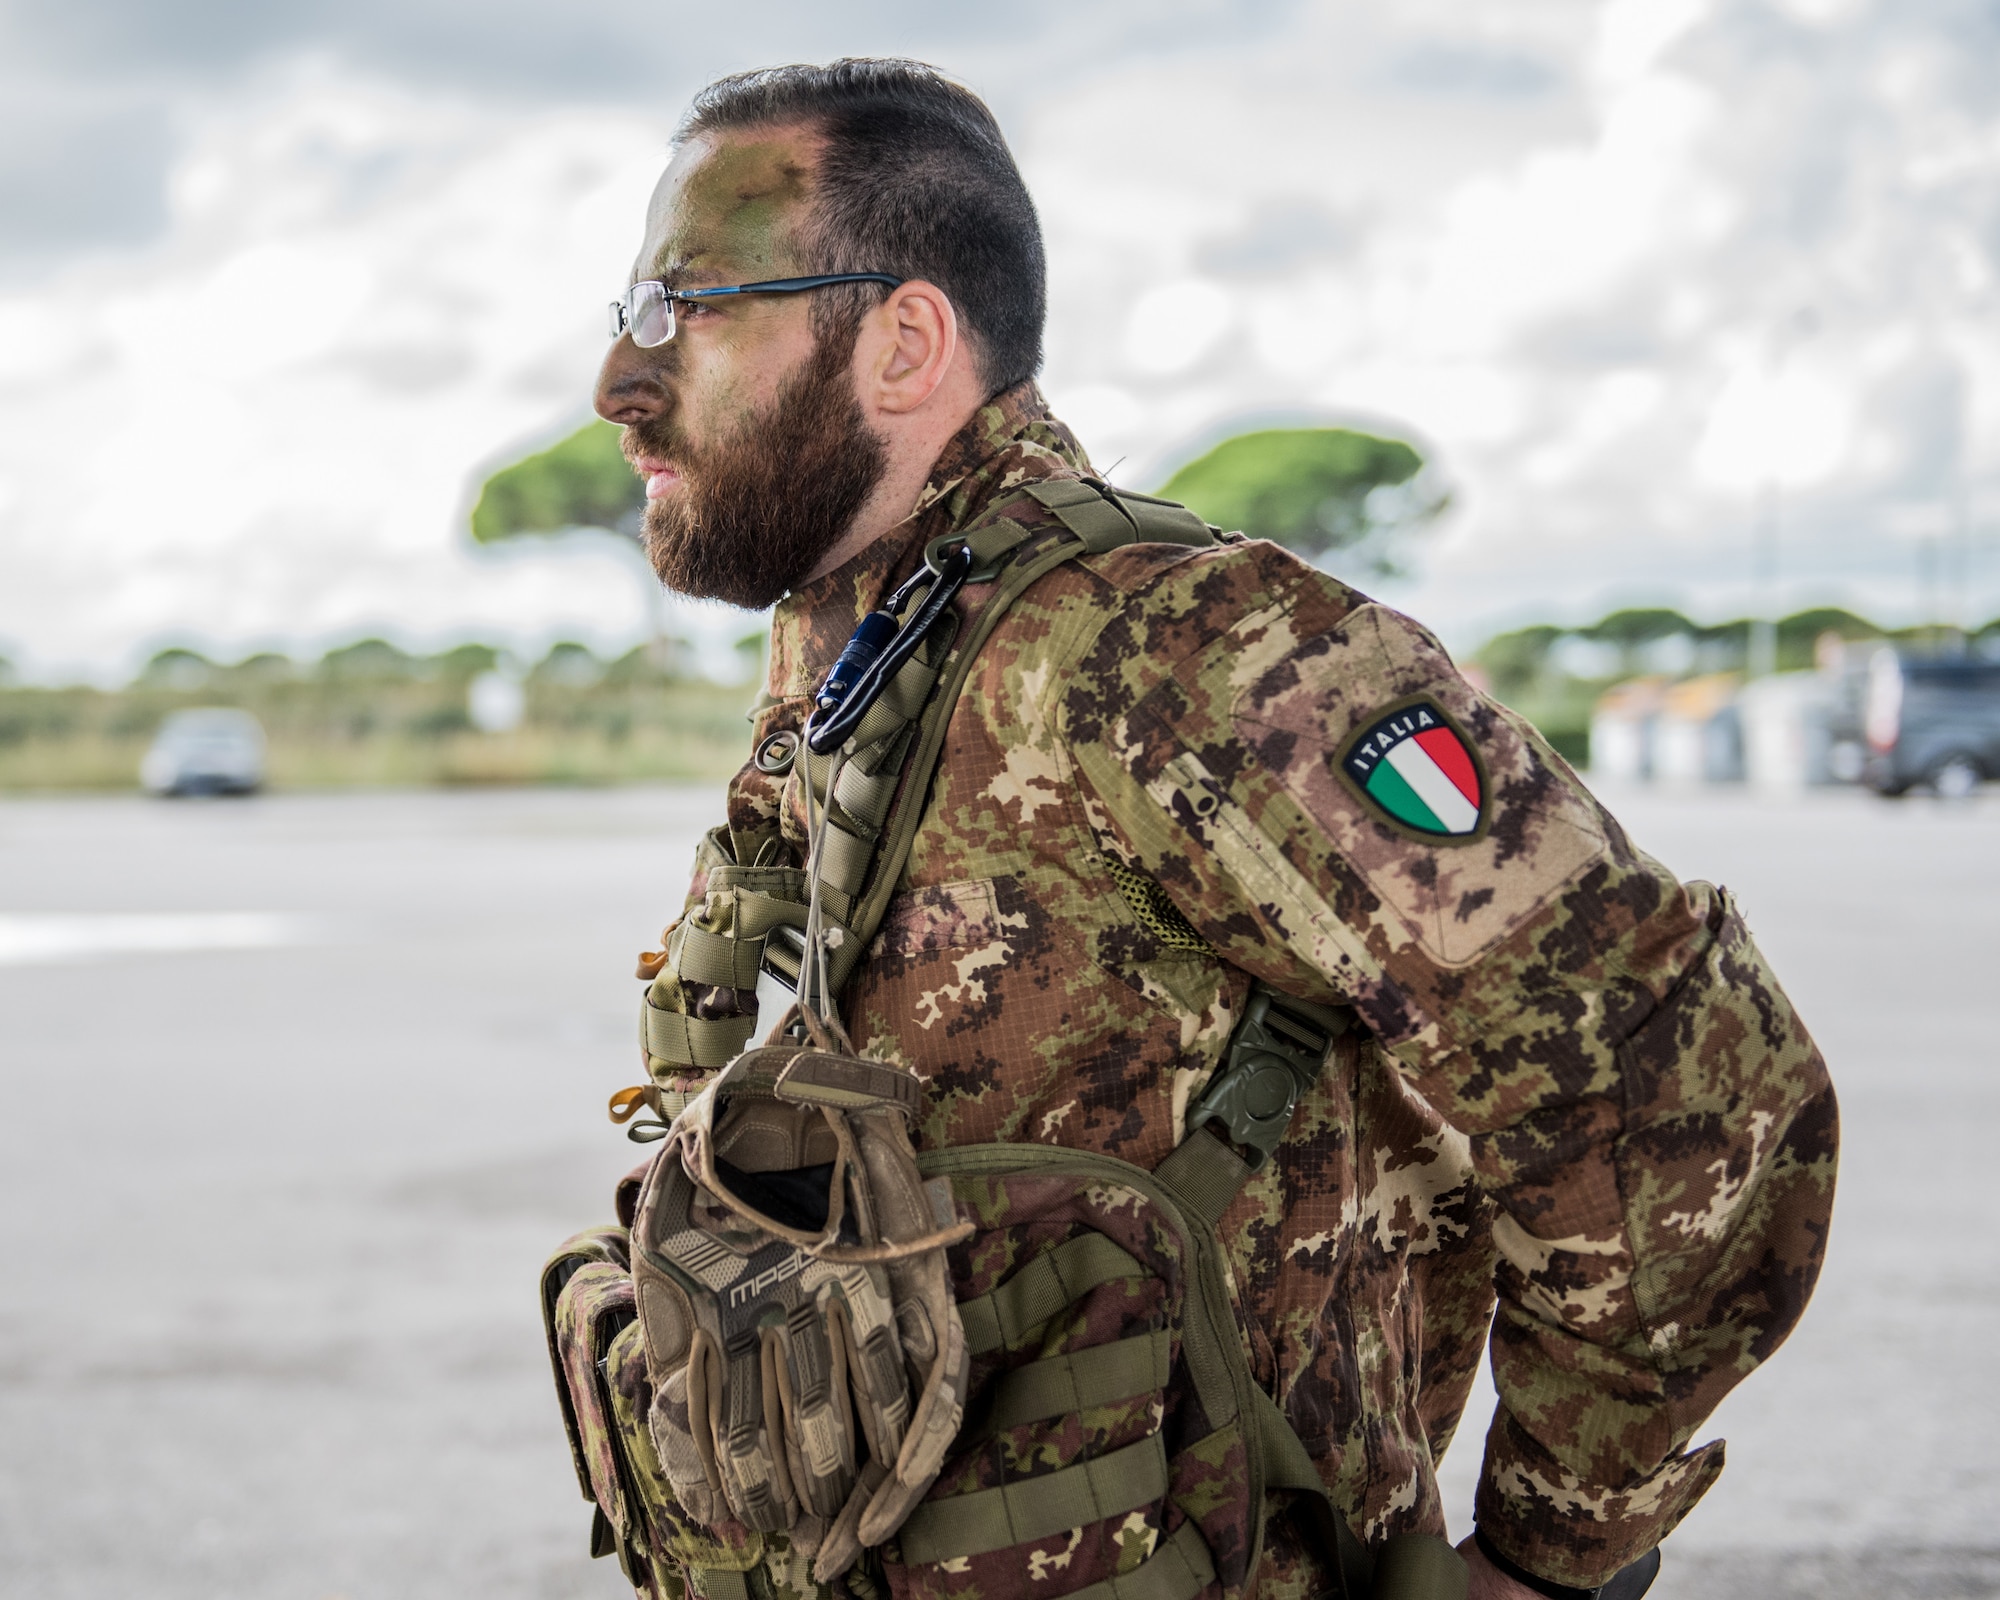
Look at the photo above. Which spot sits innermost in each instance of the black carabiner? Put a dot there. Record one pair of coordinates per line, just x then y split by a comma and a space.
839, 707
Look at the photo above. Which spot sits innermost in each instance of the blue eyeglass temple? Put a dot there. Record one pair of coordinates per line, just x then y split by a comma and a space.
621, 315
788, 285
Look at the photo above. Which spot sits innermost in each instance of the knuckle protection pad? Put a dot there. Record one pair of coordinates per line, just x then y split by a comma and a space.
809, 1369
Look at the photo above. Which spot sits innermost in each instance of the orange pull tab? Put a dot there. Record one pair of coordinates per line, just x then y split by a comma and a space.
650, 961
626, 1102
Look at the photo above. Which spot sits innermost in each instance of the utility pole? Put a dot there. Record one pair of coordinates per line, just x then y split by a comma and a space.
1959, 621
1930, 562
1800, 326
1763, 660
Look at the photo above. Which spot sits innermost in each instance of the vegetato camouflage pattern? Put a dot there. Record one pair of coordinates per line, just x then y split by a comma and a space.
1583, 1082
1024, 1217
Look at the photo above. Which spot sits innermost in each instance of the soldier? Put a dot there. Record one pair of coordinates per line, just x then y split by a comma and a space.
1176, 771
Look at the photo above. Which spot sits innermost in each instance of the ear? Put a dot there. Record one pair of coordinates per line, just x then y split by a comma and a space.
908, 346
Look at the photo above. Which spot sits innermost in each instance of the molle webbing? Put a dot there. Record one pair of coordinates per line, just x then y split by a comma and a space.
1102, 1490
722, 1583
1097, 1375
1019, 1513
1178, 1570
703, 1043
1047, 1284
894, 752
712, 958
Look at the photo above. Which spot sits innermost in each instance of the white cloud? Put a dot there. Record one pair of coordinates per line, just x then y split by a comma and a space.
1173, 325
1789, 427
1632, 35
1821, 13
266, 427
1105, 414
1557, 240
1612, 407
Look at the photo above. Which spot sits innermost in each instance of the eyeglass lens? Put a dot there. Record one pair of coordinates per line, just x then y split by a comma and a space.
650, 313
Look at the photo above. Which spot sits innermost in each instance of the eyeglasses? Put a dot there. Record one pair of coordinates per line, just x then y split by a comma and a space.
646, 310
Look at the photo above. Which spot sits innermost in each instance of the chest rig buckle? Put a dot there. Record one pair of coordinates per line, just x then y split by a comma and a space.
1275, 1054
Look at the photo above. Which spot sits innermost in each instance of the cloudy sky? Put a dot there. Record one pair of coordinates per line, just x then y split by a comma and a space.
279, 278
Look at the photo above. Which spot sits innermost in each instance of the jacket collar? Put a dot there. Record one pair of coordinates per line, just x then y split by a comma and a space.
1011, 440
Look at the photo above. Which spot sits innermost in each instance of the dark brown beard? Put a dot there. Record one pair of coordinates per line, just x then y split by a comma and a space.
756, 511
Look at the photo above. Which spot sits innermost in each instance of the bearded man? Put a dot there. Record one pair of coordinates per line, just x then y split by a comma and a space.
1175, 773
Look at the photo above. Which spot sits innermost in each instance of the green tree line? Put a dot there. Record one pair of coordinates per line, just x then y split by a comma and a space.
1554, 675
1315, 490
370, 713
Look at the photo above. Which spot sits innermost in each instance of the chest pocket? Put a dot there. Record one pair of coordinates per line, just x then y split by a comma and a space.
941, 917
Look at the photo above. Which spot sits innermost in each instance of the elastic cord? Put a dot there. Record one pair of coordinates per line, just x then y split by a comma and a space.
824, 738
1520, 1574
1630, 1582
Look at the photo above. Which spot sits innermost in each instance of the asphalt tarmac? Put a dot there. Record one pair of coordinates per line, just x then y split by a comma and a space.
296, 1093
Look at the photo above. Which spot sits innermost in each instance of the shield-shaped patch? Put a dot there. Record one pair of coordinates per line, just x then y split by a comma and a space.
1412, 765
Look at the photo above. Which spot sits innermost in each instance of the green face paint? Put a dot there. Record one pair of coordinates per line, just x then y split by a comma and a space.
725, 210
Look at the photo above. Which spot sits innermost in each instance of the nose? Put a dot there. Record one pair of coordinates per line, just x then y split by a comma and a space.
629, 385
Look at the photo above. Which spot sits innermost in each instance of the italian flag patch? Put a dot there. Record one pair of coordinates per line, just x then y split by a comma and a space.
1419, 769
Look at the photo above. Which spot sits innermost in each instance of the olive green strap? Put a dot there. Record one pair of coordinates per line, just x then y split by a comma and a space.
707, 1044
864, 795
1034, 1508
1099, 521
1178, 1570
1205, 1173
1105, 518
844, 858
720, 1583
1287, 1466
991, 541
1100, 1375
1419, 1566
1165, 521
901, 831
720, 960
757, 914
1054, 1279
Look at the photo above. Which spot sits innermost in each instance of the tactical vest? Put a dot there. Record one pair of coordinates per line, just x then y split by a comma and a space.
1107, 1439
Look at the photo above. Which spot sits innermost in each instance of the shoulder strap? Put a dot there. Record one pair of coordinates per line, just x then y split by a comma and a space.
1276, 1051
1104, 518
1096, 518
877, 798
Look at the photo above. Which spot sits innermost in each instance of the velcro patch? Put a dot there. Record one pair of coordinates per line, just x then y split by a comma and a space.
1416, 768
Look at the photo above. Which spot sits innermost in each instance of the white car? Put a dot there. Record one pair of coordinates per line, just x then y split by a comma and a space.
208, 750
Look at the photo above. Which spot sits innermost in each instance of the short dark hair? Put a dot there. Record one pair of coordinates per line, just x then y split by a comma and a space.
916, 180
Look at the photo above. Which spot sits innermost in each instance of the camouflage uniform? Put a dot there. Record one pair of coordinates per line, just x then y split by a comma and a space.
1583, 1084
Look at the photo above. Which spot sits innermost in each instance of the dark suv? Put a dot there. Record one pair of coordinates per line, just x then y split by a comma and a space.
1934, 722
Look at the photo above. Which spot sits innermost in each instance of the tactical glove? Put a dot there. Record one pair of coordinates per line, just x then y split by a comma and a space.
808, 1361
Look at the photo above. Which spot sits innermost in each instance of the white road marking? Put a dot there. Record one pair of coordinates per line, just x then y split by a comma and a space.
38, 939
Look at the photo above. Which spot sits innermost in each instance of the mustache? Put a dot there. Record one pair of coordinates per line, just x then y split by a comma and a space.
659, 439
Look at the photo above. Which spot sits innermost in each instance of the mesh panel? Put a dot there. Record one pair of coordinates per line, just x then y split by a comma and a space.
1158, 915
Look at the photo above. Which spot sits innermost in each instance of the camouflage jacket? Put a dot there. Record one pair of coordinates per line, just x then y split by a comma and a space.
1584, 1085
